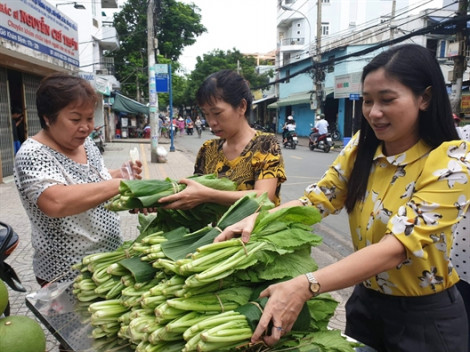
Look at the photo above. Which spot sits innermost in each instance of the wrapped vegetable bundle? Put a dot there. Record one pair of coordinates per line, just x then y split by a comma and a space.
135, 194
139, 194
182, 292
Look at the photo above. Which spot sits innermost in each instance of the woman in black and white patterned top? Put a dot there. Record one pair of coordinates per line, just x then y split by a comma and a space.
460, 251
63, 183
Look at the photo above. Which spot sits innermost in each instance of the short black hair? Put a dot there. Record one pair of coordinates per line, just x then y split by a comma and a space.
226, 85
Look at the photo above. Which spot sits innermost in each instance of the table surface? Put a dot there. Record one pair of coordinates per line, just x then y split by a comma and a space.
69, 321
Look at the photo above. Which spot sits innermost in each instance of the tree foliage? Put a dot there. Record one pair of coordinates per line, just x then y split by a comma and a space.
176, 25
217, 60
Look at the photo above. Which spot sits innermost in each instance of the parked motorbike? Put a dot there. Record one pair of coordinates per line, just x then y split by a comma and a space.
322, 142
8, 242
291, 140
98, 138
335, 134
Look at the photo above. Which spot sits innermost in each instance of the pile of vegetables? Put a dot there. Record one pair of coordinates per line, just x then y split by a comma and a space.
178, 291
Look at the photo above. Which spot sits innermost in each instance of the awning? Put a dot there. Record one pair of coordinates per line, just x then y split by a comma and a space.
125, 104
271, 96
295, 99
450, 28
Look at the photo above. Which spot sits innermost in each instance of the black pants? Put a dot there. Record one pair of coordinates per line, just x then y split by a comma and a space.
433, 323
464, 289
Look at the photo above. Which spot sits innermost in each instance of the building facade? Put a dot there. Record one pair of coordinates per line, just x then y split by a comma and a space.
38, 38
323, 46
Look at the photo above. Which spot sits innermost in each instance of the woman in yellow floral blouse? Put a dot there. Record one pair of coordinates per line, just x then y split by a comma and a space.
250, 158
404, 180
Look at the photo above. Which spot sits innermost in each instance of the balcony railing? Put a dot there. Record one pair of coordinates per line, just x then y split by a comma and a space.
105, 67
293, 41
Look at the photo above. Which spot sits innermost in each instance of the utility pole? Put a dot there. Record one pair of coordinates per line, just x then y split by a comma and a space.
319, 74
392, 16
460, 60
153, 101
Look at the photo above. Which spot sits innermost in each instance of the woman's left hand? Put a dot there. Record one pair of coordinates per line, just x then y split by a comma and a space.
193, 195
136, 169
286, 300
131, 170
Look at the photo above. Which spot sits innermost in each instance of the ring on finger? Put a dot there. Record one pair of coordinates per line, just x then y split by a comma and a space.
279, 328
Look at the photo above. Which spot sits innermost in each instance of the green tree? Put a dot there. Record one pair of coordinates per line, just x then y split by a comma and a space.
217, 60
176, 26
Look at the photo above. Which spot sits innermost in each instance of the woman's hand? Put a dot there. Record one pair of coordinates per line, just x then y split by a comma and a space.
286, 300
193, 195
243, 227
136, 168
131, 170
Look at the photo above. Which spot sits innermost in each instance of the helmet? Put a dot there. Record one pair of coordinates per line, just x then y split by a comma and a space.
290, 117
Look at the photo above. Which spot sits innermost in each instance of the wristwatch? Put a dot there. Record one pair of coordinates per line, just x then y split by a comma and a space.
314, 285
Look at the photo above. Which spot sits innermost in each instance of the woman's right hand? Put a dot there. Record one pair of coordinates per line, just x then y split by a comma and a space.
243, 227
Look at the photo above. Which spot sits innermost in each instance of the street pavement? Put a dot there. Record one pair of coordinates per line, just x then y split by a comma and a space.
179, 164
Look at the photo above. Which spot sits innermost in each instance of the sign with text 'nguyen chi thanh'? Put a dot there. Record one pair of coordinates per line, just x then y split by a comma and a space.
39, 28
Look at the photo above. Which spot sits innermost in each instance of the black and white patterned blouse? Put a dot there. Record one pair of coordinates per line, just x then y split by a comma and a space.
59, 243
460, 252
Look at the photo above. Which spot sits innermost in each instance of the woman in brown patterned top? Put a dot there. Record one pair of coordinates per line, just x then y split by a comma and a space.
250, 158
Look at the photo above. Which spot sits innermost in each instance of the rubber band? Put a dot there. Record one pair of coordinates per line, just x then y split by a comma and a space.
220, 302
175, 187
244, 247
257, 305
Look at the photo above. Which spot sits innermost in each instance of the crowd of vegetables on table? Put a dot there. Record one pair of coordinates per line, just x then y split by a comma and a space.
173, 289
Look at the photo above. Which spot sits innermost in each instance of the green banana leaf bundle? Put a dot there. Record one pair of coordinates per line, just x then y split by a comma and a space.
140, 194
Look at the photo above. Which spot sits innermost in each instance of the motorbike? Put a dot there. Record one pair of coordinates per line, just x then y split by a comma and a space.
189, 129
98, 138
8, 242
322, 142
291, 140
199, 131
335, 134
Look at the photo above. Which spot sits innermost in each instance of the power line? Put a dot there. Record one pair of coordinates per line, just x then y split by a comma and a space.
429, 29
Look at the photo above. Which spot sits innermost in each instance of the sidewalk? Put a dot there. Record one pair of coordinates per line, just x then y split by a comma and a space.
179, 165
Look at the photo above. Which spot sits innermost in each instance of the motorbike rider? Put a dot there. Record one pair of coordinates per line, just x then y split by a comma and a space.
198, 124
289, 126
321, 126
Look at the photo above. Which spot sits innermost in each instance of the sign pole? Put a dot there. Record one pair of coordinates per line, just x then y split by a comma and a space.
172, 145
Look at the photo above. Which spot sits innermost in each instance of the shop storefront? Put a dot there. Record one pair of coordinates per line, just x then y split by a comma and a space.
35, 40
130, 117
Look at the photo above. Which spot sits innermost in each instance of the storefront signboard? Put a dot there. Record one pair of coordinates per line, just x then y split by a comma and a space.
40, 27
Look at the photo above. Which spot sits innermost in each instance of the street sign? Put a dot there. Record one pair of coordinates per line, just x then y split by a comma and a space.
162, 83
354, 96
161, 69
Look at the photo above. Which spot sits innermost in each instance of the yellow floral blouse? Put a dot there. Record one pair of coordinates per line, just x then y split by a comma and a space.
417, 196
261, 159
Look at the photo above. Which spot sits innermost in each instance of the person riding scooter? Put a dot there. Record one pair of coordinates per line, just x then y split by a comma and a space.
289, 126
321, 126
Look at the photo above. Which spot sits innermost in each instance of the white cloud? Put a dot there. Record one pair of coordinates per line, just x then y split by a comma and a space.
247, 25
